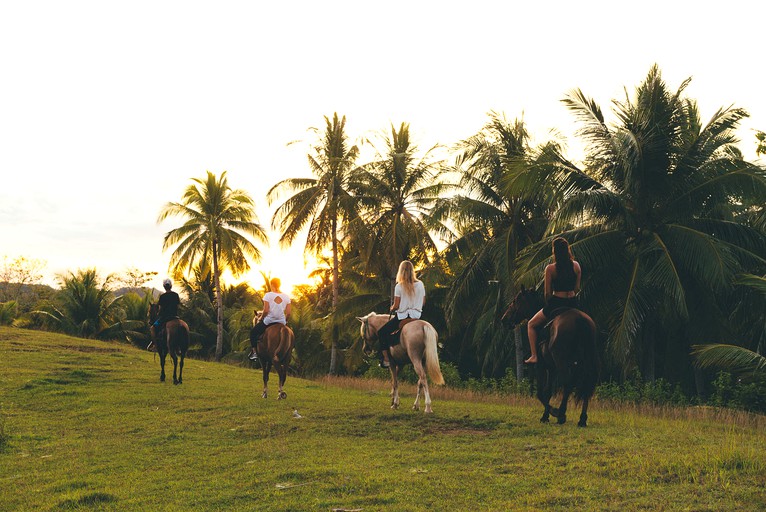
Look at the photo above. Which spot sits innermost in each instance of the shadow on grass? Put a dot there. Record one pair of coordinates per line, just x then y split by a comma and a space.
94, 498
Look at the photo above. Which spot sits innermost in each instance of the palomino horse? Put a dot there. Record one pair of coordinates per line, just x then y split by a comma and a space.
275, 347
569, 354
417, 344
176, 343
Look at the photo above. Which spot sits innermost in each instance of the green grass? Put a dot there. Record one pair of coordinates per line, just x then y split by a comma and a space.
86, 425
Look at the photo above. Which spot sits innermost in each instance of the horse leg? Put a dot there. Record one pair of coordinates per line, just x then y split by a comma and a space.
282, 371
175, 366
162, 365
561, 412
566, 379
418, 367
181, 368
584, 414
544, 392
266, 370
394, 386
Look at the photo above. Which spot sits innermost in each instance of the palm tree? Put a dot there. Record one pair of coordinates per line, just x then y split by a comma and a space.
650, 217
219, 220
323, 204
85, 306
397, 191
730, 357
493, 225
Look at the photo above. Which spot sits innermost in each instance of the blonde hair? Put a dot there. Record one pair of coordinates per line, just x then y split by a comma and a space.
406, 276
275, 283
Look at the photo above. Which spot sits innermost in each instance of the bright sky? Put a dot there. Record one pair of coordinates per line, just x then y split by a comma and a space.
108, 109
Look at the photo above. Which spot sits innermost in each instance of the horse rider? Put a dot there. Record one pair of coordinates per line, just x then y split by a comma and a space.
168, 302
562, 284
409, 299
276, 309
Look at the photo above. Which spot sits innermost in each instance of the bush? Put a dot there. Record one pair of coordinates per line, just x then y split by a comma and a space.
451, 375
731, 392
7, 312
659, 392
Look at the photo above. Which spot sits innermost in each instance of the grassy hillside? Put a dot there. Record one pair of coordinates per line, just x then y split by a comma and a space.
87, 425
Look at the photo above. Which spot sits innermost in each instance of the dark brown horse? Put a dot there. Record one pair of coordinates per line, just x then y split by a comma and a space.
275, 348
568, 355
176, 343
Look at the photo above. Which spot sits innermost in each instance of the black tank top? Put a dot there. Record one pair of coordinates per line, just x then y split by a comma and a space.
564, 280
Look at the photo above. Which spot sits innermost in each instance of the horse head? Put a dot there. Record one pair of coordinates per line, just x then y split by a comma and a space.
369, 333
523, 306
257, 316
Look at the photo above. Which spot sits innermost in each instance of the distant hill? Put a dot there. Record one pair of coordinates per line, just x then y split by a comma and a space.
139, 291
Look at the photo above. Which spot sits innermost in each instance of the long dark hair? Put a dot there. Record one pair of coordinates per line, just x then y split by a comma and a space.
562, 254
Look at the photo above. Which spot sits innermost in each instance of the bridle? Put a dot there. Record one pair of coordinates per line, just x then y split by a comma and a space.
366, 336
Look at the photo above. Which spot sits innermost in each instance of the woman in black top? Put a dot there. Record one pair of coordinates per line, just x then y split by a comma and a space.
562, 283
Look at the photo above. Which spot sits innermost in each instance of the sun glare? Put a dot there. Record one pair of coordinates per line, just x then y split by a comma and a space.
289, 266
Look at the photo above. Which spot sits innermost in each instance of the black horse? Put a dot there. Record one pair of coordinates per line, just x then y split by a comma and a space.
176, 343
568, 355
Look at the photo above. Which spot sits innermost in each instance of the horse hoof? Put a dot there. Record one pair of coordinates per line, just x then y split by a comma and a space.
263, 395
561, 420
428, 411
544, 419
415, 408
282, 396
394, 406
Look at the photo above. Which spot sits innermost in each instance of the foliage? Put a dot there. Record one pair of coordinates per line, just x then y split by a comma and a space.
735, 359
132, 277
492, 224
396, 192
7, 312
659, 393
214, 237
731, 392
323, 205
16, 273
650, 217
86, 307
761, 138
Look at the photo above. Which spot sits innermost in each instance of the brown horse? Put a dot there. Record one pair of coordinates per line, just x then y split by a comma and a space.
568, 355
176, 343
275, 347
417, 345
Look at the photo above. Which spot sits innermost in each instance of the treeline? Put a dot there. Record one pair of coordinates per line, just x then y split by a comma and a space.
664, 214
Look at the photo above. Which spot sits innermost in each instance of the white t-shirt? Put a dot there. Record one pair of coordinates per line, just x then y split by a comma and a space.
277, 304
410, 306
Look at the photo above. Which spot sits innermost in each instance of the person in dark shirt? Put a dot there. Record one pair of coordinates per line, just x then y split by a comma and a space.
562, 283
168, 302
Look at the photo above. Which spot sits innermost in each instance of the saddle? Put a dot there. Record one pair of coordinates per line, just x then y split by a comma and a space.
395, 334
556, 312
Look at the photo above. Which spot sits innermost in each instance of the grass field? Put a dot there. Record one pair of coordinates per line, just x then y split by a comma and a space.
86, 425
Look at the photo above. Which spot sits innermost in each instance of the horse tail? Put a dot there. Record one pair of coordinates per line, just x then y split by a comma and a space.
283, 349
586, 333
183, 338
432, 356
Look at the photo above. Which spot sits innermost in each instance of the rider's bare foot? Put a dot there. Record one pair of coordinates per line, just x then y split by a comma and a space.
532, 359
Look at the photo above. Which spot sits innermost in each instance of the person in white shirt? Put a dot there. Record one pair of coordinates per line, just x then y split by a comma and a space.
276, 310
409, 299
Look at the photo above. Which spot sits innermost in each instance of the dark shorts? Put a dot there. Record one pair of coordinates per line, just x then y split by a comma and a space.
558, 302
